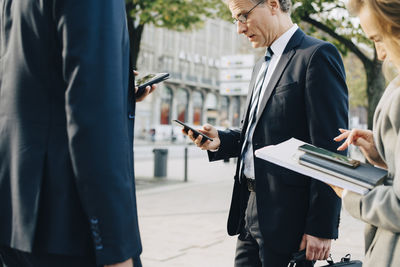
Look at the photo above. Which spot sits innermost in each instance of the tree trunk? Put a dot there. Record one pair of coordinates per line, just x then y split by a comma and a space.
135, 36
373, 68
375, 87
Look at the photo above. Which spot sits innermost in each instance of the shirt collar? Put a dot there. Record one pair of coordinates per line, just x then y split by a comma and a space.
280, 44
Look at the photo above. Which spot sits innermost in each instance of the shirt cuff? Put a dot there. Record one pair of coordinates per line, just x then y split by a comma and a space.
344, 193
352, 203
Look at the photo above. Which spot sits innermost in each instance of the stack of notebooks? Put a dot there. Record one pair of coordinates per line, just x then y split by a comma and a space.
324, 165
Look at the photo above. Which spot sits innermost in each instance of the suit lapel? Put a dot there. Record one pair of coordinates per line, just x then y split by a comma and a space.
287, 55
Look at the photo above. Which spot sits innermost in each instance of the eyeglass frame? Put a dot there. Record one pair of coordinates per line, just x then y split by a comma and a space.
243, 17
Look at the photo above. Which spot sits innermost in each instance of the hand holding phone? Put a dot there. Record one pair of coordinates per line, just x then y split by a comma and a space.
196, 133
149, 80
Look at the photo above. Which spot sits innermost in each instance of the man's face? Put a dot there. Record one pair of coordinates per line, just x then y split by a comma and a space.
262, 25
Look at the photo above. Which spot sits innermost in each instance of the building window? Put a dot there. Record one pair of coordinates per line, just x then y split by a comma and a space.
236, 111
182, 106
146, 59
211, 106
184, 42
166, 103
184, 66
199, 70
228, 40
224, 112
168, 40
197, 99
166, 63
200, 42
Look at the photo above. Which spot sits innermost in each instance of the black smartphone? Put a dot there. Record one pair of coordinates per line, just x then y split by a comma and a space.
196, 133
149, 80
326, 154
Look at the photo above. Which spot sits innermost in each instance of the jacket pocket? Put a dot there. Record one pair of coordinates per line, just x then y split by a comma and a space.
285, 88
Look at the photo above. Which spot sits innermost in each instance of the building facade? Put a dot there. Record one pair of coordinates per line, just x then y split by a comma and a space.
192, 93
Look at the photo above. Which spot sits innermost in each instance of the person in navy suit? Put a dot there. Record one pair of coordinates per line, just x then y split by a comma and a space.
297, 90
67, 105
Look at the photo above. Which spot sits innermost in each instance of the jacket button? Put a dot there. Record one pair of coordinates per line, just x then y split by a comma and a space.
131, 116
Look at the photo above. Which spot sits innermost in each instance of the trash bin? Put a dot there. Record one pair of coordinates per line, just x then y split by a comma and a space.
160, 162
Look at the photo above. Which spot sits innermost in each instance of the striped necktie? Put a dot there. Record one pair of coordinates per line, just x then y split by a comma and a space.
254, 106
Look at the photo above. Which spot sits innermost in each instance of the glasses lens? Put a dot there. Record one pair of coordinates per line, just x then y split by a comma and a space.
242, 18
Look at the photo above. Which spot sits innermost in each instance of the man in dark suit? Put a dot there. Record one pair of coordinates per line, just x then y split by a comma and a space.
67, 103
297, 90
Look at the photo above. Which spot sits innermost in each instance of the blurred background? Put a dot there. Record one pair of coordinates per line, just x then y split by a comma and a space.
183, 199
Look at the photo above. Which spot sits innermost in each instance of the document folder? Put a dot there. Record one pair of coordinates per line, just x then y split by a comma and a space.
286, 154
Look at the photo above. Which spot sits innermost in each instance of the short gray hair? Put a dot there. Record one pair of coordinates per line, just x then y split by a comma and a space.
286, 5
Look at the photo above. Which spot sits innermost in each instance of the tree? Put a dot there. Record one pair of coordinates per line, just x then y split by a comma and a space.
331, 17
177, 15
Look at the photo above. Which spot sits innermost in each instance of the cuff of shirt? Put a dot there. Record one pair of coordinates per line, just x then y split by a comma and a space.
352, 203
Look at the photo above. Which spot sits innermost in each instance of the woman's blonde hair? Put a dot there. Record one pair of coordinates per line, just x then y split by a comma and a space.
386, 13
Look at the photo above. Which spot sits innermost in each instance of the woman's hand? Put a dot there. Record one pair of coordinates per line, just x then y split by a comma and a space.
147, 91
365, 141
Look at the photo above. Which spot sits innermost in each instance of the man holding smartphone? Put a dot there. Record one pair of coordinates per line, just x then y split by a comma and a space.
67, 110
297, 90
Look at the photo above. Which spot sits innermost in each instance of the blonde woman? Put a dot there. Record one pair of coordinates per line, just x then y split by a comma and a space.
380, 208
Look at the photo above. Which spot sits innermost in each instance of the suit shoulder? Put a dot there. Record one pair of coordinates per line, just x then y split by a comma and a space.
312, 45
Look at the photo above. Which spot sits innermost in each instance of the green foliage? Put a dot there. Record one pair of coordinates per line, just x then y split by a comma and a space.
334, 15
175, 14
330, 20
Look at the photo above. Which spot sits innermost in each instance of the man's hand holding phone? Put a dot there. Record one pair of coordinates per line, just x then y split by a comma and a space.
208, 130
148, 90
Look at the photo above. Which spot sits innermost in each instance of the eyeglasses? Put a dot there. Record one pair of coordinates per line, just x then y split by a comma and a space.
243, 17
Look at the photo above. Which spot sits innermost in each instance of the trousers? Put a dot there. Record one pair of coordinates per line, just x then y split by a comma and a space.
251, 249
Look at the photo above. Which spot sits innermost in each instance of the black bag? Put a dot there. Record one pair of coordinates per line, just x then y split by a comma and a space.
300, 257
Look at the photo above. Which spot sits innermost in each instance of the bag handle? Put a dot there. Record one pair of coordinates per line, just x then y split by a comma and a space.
297, 257
301, 256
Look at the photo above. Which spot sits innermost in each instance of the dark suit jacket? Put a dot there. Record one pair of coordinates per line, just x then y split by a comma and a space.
66, 129
306, 98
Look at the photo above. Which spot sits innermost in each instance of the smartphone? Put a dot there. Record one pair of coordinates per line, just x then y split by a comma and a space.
326, 154
196, 133
149, 80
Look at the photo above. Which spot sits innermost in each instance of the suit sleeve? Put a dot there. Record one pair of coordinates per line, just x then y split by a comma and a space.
91, 35
230, 145
326, 99
230, 139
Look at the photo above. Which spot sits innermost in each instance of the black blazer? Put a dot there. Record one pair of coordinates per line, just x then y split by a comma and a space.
306, 98
66, 129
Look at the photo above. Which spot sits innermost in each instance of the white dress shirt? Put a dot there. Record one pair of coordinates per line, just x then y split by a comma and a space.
277, 48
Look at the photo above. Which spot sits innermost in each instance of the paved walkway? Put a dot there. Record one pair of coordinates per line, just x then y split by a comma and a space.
184, 224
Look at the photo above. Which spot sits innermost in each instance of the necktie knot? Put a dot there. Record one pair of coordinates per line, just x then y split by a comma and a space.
269, 54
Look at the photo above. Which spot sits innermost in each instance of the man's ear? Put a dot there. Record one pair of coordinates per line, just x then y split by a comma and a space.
274, 4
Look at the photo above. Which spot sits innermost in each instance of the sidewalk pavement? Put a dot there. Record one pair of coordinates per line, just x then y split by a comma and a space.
184, 224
